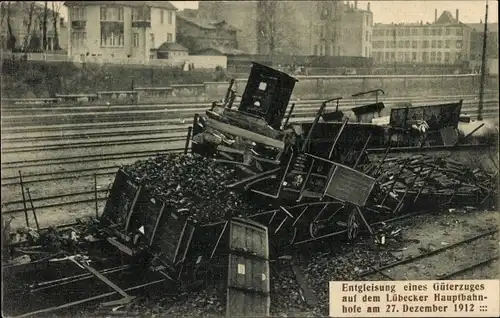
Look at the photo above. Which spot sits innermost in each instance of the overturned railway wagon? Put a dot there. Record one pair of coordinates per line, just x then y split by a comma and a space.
266, 183
323, 178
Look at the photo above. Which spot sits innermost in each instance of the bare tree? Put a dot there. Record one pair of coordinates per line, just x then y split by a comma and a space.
11, 40
44, 25
276, 31
27, 38
56, 7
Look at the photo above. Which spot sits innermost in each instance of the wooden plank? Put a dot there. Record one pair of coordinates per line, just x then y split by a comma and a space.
247, 134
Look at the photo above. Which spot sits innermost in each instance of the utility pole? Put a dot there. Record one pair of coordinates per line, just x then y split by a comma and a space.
483, 68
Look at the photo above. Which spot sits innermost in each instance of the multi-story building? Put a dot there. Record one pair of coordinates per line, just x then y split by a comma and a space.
356, 32
120, 29
298, 27
16, 17
445, 41
477, 37
197, 33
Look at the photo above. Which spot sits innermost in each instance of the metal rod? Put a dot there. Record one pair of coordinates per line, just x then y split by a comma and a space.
309, 134
337, 137
33, 209
95, 197
395, 180
82, 301
410, 259
468, 135
289, 115
104, 279
24, 199
447, 276
188, 139
362, 151
76, 278
383, 159
483, 68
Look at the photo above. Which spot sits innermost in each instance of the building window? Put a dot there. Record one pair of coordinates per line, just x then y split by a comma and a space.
389, 32
321, 31
458, 32
407, 32
440, 32
448, 31
367, 20
413, 44
459, 45
111, 14
152, 40
78, 38
433, 44
141, 14
425, 57
387, 56
447, 44
170, 17
401, 44
393, 56
162, 16
112, 39
414, 31
136, 39
103, 14
434, 32
426, 31
414, 56
425, 44
439, 56
366, 35
78, 14
407, 56
316, 50
439, 44
433, 56
447, 57
170, 37
407, 44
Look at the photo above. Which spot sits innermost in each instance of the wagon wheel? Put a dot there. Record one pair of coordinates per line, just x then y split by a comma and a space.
320, 223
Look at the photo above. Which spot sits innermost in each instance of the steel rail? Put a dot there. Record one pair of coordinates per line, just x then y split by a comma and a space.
93, 134
467, 268
79, 158
86, 300
18, 101
427, 254
91, 144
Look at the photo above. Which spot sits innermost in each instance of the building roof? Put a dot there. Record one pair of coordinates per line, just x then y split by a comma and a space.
222, 50
479, 27
154, 4
169, 46
446, 18
205, 24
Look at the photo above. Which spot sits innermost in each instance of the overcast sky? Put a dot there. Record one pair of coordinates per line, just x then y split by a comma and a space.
471, 11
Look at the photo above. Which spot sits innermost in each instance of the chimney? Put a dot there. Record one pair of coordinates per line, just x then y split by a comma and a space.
368, 7
457, 16
356, 4
435, 15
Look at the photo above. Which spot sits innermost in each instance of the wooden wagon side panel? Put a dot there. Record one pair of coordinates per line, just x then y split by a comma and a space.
248, 282
121, 201
349, 185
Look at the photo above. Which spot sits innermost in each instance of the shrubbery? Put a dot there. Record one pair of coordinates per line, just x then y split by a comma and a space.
44, 79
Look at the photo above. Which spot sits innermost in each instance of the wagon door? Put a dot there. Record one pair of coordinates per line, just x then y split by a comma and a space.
248, 273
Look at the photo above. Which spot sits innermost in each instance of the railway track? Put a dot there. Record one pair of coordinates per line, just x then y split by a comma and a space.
408, 268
